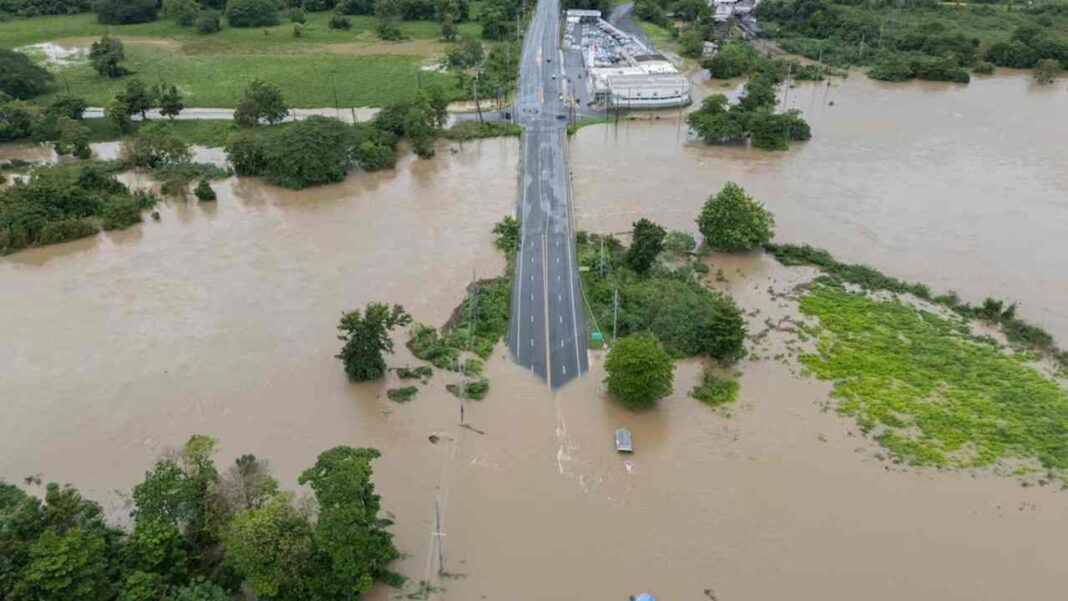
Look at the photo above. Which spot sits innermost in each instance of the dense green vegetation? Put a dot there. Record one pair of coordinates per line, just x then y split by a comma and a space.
753, 118
921, 39
198, 534
639, 370
1019, 332
738, 57
687, 318
733, 221
403, 394
928, 390
366, 336
64, 202
713, 390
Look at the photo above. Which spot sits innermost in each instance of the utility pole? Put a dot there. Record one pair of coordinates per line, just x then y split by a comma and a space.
615, 313
474, 95
441, 542
786, 86
602, 256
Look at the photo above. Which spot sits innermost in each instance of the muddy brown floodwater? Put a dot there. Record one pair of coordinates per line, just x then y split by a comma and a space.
220, 319
962, 187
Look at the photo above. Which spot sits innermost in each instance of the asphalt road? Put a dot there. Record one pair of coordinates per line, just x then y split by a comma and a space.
548, 332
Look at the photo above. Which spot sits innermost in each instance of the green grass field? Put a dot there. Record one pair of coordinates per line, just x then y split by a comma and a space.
212, 70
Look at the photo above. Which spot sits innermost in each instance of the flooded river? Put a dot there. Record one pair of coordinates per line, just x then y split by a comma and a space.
962, 187
220, 319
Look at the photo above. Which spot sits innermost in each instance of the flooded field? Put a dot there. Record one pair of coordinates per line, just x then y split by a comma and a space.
220, 319
962, 187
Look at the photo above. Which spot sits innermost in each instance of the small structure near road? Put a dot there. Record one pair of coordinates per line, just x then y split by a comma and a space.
624, 444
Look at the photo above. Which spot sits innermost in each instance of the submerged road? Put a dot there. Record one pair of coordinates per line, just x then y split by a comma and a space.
548, 331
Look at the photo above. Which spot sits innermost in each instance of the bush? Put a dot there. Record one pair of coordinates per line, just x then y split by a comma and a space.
121, 12
19, 77
312, 152
733, 59
402, 395
983, 68
17, 120
260, 101
1046, 71
155, 145
639, 370
339, 21
209, 23
183, 12
105, 55
713, 391
204, 192
252, 13
732, 221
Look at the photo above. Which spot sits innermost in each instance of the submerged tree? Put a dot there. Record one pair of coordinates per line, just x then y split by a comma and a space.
646, 246
366, 337
732, 221
639, 370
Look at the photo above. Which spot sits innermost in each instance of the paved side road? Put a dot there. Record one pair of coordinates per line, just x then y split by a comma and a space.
547, 332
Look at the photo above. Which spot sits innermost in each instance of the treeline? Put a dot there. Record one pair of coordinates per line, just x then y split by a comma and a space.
64, 202
924, 39
753, 118
199, 534
321, 150
738, 57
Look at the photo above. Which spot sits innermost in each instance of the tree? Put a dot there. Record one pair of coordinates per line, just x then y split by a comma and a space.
349, 533
105, 56
121, 12
639, 370
247, 154
312, 152
200, 590
388, 13
338, 20
19, 77
183, 12
203, 191
71, 138
67, 565
67, 105
648, 241
466, 54
366, 337
270, 544
1046, 71
252, 13
137, 98
157, 547
448, 29
209, 22
118, 114
155, 145
732, 221
692, 42
247, 484
141, 586
169, 99
759, 93
733, 59
261, 101
420, 125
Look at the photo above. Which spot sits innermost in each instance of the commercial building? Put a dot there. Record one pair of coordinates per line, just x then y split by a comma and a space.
622, 71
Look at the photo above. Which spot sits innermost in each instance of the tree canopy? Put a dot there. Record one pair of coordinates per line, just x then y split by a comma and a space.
121, 12
19, 77
252, 13
733, 221
647, 242
261, 101
366, 336
639, 370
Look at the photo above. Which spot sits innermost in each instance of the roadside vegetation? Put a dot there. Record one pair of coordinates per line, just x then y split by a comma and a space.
921, 39
200, 534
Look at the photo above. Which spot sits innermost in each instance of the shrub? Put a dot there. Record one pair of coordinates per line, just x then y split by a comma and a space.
252, 13
339, 21
209, 22
105, 55
312, 152
19, 77
156, 145
1046, 71
639, 370
121, 12
732, 221
260, 101
713, 391
402, 395
203, 191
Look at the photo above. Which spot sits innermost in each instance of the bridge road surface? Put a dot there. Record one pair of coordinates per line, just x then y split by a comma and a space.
547, 331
